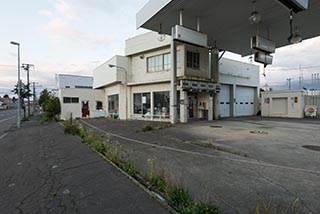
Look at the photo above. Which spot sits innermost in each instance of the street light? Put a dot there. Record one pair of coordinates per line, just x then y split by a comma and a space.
126, 79
19, 85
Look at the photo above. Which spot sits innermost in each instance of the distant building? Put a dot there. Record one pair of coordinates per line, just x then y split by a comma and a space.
77, 98
73, 81
290, 103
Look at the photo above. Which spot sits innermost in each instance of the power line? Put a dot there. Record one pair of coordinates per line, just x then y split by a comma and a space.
293, 68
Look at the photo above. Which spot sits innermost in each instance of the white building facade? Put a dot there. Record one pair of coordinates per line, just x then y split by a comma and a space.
77, 98
137, 86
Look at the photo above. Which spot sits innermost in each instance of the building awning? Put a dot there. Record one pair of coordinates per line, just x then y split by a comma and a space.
226, 22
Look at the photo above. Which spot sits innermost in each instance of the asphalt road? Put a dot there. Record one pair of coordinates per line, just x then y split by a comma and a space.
43, 170
8, 118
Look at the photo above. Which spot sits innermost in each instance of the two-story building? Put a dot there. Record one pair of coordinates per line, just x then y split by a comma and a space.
77, 98
137, 85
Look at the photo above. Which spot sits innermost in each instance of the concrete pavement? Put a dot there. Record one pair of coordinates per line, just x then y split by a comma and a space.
42, 170
249, 159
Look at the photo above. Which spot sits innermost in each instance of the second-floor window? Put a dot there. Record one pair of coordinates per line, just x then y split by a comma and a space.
193, 60
159, 62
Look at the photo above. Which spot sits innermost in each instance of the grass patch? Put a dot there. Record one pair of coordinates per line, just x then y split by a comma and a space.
269, 207
44, 117
218, 148
147, 128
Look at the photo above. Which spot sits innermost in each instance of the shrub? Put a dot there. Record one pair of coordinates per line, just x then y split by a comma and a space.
178, 198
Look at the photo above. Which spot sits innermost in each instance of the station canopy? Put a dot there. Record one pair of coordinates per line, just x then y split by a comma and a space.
226, 22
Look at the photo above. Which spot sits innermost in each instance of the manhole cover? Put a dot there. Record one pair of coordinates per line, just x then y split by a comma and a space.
216, 126
311, 147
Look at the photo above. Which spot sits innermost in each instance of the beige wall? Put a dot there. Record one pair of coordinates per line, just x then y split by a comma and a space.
203, 72
282, 104
84, 95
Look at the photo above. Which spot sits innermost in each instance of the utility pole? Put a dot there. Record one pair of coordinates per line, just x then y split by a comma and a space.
289, 82
27, 67
34, 96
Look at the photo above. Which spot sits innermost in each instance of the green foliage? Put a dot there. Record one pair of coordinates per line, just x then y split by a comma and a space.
44, 97
50, 104
202, 208
178, 198
156, 181
269, 207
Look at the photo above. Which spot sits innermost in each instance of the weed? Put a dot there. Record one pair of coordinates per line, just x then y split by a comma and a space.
202, 208
157, 182
178, 198
147, 128
71, 129
269, 207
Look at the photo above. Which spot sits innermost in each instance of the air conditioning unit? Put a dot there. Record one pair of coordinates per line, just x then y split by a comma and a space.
295, 5
262, 44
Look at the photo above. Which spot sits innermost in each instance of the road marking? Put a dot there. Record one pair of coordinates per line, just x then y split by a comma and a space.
2, 136
9, 118
204, 154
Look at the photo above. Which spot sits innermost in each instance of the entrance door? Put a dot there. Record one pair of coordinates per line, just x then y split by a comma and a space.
85, 109
192, 107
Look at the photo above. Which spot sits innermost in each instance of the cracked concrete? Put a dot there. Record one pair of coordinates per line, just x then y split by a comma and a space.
81, 182
276, 167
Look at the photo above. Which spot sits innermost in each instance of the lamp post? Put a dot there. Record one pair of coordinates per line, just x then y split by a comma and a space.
126, 79
19, 84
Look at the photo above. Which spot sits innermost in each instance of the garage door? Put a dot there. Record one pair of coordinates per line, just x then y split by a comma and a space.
224, 101
244, 101
279, 106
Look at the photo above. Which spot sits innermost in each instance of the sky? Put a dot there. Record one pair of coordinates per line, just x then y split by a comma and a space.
75, 36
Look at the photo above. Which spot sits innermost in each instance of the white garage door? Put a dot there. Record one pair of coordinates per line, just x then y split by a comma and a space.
224, 101
244, 101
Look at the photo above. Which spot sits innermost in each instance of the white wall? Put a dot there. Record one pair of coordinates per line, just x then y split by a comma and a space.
104, 75
71, 81
240, 73
84, 95
292, 104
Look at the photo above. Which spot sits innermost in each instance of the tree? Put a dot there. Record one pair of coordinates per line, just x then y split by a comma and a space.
44, 98
24, 93
6, 96
50, 104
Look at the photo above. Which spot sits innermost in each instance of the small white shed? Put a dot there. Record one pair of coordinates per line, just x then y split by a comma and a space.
283, 104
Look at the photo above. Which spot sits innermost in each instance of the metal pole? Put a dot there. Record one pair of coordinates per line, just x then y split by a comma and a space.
34, 97
173, 81
28, 84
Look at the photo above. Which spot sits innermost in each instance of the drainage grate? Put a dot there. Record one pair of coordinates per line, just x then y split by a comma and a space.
311, 147
216, 126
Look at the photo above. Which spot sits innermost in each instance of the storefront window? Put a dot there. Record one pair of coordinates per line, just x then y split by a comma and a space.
142, 103
113, 104
161, 104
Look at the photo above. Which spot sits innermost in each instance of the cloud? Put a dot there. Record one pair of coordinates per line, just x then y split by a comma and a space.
65, 9
46, 13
